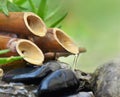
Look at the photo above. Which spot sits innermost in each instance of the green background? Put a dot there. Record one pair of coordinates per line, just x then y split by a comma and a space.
95, 25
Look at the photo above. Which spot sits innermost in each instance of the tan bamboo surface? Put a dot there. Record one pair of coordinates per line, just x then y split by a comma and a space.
1, 72
57, 40
22, 23
25, 48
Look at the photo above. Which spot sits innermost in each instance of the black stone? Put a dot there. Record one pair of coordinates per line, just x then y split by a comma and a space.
31, 75
58, 83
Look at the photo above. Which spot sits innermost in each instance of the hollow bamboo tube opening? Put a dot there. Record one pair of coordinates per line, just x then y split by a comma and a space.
35, 24
30, 52
22, 23
65, 41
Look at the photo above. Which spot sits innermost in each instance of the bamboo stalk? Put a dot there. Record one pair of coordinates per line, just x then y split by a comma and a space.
1, 72
13, 65
56, 55
56, 40
25, 48
22, 23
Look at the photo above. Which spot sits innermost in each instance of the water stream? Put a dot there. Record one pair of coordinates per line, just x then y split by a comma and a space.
75, 61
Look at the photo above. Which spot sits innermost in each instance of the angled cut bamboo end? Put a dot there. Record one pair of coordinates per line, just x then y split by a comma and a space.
30, 52
82, 50
22, 23
35, 24
66, 42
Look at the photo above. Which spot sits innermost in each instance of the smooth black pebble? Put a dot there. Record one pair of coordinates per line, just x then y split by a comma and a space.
31, 75
58, 83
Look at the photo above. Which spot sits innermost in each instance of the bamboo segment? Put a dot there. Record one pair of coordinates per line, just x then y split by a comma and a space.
1, 72
56, 55
13, 65
56, 40
22, 23
25, 48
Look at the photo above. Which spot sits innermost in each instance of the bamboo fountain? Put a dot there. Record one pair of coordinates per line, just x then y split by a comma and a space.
26, 35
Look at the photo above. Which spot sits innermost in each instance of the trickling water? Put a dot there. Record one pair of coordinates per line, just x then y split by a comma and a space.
75, 60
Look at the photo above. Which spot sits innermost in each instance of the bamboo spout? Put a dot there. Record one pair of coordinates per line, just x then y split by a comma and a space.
30, 52
57, 41
66, 42
25, 48
22, 23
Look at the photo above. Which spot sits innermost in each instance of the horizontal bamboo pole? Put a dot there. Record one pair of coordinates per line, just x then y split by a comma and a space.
25, 48
56, 55
22, 23
57, 40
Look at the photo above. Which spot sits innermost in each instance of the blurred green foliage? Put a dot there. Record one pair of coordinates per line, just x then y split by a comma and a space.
94, 24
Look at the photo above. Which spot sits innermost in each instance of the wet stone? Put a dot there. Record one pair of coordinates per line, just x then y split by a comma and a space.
106, 80
31, 75
60, 82
52, 79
